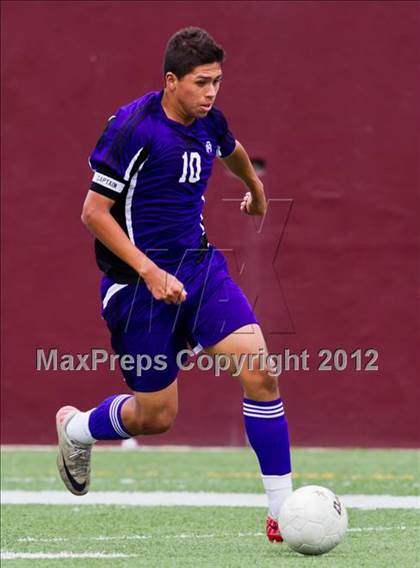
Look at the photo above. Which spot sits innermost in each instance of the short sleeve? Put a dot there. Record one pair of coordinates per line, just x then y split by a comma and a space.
226, 140
117, 155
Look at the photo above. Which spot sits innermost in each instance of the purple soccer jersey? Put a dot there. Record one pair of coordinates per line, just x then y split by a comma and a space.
156, 170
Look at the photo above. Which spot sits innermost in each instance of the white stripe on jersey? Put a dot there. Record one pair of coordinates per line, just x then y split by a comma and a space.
128, 171
129, 199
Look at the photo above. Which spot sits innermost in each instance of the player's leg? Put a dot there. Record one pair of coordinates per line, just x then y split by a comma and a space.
221, 310
116, 418
263, 410
125, 416
152, 407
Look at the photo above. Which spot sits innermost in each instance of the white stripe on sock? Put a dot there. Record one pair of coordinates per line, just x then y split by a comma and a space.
117, 426
267, 412
113, 415
263, 415
262, 408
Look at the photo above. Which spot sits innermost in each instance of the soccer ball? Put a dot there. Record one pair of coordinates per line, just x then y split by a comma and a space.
312, 520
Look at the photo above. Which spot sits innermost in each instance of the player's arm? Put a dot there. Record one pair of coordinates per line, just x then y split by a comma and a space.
98, 219
238, 162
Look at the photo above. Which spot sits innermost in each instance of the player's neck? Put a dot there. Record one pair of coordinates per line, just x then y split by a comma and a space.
174, 111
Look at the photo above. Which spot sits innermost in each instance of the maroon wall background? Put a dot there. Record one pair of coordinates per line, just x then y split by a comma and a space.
325, 93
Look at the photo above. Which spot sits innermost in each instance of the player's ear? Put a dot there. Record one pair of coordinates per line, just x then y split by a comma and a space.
170, 81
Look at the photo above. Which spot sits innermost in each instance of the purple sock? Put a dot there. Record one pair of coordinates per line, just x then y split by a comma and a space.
266, 428
105, 420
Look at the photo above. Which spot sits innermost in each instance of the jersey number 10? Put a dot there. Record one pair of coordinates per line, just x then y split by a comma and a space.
193, 163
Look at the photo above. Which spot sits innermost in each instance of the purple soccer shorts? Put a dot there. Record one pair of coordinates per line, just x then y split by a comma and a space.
148, 335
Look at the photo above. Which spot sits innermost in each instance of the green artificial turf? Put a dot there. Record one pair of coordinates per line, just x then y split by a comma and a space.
183, 537
216, 537
394, 472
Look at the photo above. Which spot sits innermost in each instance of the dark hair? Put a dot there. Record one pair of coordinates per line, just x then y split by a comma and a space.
188, 48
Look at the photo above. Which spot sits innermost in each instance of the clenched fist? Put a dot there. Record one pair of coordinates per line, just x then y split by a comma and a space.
164, 286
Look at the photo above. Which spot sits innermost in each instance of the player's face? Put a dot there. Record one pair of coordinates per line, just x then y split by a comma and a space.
196, 91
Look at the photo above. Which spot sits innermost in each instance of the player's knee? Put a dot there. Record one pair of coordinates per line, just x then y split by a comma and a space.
259, 384
164, 420
156, 422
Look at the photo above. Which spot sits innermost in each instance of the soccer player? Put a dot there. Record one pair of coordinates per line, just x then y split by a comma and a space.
164, 286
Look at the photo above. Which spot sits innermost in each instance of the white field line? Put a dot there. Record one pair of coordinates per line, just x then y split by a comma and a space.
107, 538
5, 555
190, 499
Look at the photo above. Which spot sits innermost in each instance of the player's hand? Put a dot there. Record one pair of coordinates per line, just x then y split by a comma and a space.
164, 286
254, 204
